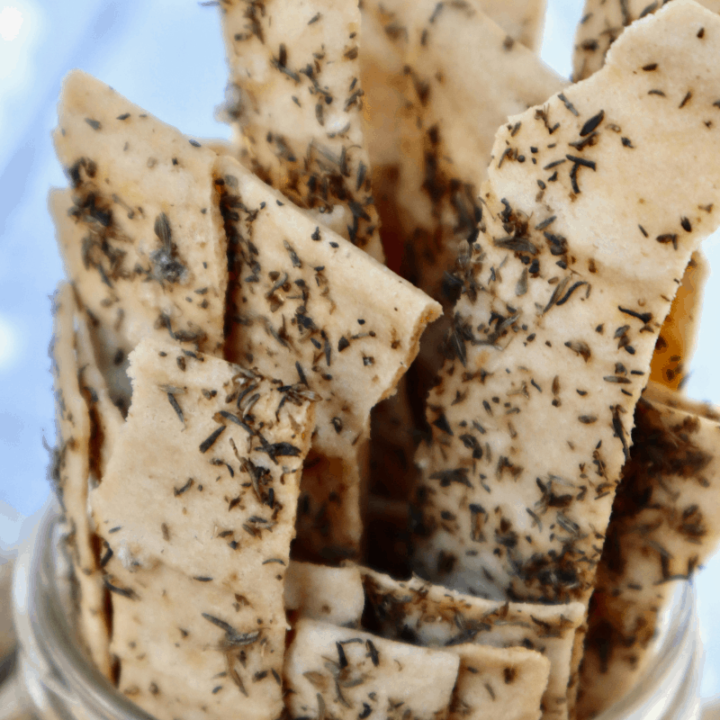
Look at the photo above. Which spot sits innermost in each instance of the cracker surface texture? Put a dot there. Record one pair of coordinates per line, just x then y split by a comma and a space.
496, 683
663, 527
308, 307
296, 98
342, 673
564, 291
148, 254
603, 21
431, 615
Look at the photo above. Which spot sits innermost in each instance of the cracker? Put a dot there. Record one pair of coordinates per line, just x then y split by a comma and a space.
148, 253
297, 100
327, 594
602, 23
195, 650
206, 472
522, 20
664, 526
71, 474
676, 343
564, 294
496, 683
346, 674
299, 311
431, 615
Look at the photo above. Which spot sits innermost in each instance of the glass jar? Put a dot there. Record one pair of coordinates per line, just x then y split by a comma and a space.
53, 679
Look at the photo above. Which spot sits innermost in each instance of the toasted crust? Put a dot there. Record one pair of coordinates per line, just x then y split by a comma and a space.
662, 529
148, 253
297, 102
563, 300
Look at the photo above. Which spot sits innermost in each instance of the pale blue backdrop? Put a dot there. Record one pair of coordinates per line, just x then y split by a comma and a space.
167, 56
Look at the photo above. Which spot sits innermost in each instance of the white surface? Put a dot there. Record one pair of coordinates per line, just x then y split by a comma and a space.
167, 56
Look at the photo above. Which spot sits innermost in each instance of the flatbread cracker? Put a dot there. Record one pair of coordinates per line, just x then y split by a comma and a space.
602, 23
328, 594
494, 683
564, 293
299, 311
676, 342
297, 100
206, 472
148, 253
345, 674
195, 650
431, 615
72, 476
663, 528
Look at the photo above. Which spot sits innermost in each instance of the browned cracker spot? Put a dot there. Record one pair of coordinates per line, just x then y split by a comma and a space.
205, 477
662, 529
147, 255
563, 295
308, 307
71, 475
297, 99
192, 649
328, 594
345, 674
678, 335
432, 615
496, 683
602, 23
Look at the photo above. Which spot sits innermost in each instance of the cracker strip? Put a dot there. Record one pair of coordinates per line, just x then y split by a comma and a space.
148, 254
662, 529
564, 292
308, 307
433, 616
296, 99
342, 673
71, 473
603, 22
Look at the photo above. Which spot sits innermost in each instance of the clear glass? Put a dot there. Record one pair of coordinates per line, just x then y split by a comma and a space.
54, 680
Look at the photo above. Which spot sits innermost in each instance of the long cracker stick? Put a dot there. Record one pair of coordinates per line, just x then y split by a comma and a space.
297, 104
662, 529
148, 254
72, 475
308, 307
603, 21
345, 674
432, 615
205, 478
564, 293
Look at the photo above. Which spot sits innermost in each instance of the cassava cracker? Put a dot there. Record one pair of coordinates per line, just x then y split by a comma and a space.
602, 23
328, 594
206, 472
676, 342
195, 650
345, 674
308, 307
494, 683
663, 527
431, 615
297, 99
564, 292
148, 253
71, 474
